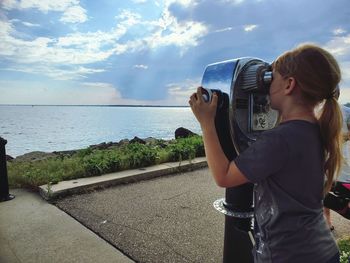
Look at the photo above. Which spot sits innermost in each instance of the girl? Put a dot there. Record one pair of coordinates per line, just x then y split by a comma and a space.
292, 165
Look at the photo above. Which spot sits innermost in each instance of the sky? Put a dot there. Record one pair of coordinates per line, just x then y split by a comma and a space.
143, 52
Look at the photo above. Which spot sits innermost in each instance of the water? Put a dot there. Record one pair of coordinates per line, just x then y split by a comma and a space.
58, 128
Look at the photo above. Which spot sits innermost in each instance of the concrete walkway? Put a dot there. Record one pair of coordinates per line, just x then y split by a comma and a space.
34, 231
166, 219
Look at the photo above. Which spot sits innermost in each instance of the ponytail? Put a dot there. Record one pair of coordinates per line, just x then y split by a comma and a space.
318, 75
330, 123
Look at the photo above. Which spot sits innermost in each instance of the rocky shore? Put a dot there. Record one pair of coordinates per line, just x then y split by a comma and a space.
38, 155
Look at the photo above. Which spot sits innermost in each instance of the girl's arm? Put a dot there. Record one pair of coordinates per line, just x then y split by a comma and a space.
225, 173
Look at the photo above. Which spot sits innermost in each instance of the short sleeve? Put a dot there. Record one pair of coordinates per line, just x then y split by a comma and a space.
263, 158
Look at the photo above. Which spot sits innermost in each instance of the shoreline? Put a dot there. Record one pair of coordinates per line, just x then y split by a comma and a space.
98, 105
180, 132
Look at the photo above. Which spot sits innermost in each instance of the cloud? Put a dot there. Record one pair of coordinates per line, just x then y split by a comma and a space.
234, 2
46, 54
184, 3
50, 51
129, 18
70, 73
248, 28
74, 14
344, 95
30, 24
179, 93
139, 1
72, 11
168, 31
339, 31
223, 29
93, 93
42, 5
339, 46
141, 66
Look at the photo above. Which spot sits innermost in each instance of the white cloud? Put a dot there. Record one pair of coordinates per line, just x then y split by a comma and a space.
41, 5
129, 18
344, 95
184, 3
339, 31
170, 32
72, 11
74, 14
20, 92
139, 1
234, 2
339, 46
179, 93
249, 28
30, 24
56, 73
140, 66
46, 55
223, 29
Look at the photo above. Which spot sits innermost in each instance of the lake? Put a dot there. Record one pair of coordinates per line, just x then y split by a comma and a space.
58, 128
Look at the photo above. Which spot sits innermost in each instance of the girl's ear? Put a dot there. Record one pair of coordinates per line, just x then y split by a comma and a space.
290, 86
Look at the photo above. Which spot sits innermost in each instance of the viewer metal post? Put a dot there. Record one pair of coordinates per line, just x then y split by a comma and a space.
237, 204
4, 186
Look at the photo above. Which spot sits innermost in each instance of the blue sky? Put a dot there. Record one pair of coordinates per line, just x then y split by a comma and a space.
150, 52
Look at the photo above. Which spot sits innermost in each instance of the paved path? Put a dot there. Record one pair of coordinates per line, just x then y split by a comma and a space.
167, 219
33, 231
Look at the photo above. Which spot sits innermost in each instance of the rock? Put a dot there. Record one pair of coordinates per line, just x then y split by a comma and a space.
103, 146
151, 140
65, 153
123, 142
34, 156
9, 158
183, 133
137, 140
159, 142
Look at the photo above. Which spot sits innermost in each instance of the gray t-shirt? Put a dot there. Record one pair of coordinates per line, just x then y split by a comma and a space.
286, 166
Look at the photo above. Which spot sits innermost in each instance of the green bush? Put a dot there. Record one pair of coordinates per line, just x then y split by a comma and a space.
100, 162
186, 148
344, 248
139, 155
90, 162
30, 174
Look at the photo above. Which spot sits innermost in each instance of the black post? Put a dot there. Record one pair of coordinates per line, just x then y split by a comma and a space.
238, 204
4, 185
237, 242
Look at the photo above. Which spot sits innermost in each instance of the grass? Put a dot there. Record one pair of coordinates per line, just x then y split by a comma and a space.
89, 162
344, 248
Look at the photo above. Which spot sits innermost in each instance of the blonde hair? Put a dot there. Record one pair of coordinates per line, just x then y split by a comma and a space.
317, 74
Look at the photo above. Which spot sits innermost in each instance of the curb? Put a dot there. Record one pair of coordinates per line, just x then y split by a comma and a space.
82, 185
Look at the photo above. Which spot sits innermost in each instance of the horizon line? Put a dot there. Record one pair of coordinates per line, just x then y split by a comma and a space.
98, 105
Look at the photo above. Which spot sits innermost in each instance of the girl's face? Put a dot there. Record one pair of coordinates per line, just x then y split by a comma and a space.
276, 90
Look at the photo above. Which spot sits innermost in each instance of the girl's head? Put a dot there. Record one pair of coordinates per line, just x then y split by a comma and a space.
314, 69
316, 74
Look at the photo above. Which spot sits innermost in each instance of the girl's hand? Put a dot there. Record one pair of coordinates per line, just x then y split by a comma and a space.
204, 111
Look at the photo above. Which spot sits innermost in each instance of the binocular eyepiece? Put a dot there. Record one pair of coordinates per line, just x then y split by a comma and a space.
253, 78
